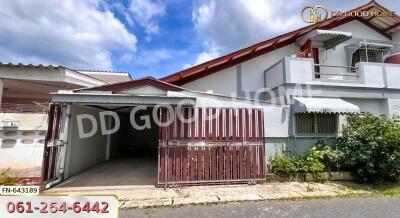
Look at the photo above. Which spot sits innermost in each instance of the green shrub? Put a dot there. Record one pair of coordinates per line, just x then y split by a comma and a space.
318, 158
5, 179
330, 156
311, 162
283, 163
371, 147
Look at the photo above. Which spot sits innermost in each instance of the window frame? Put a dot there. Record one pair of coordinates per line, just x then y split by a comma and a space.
315, 126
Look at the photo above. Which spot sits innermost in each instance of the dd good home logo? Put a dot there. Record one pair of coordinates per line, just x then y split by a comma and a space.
314, 14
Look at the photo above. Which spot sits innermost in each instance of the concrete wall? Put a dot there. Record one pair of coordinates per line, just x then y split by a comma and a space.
21, 152
243, 78
223, 82
374, 106
83, 153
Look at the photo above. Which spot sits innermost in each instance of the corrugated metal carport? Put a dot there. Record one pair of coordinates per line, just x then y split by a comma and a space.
218, 145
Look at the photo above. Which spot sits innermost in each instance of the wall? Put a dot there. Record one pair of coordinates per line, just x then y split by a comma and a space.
393, 107
253, 70
396, 38
83, 153
21, 152
374, 106
21, 148
223, 82
250, 72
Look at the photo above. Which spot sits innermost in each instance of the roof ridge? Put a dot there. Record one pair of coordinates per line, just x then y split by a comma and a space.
105, 71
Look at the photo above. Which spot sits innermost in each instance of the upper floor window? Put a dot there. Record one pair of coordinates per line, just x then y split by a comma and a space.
366, 55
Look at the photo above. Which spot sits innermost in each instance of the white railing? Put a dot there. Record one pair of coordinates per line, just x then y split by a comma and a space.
303, 71
326, 72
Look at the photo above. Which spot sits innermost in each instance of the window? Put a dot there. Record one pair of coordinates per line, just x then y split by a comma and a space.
361, 56
312, 123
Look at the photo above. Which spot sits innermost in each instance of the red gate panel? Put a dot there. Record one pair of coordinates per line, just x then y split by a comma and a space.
50, 153
216, 145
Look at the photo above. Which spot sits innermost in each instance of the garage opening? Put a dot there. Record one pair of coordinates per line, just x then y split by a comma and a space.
126, 157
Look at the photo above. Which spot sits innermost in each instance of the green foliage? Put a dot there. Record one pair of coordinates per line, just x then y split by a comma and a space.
311, 162
283, 163
318, 158
371, 147
5, 179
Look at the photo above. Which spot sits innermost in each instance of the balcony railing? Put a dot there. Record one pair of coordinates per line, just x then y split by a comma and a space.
335, 72
304, 71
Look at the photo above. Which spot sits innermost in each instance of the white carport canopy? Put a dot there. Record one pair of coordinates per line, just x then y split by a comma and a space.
324, 105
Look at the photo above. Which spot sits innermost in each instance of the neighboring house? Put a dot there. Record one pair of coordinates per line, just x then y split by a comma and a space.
352, 64
25, 97
265, 99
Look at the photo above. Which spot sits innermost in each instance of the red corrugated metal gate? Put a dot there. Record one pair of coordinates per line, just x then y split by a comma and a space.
218, 145
50, 155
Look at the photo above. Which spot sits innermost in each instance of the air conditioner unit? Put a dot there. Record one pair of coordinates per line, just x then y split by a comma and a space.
10, 123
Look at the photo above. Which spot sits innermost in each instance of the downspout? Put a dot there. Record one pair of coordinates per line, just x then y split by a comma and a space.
63, 148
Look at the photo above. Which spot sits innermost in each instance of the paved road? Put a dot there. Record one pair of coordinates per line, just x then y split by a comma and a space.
341, 207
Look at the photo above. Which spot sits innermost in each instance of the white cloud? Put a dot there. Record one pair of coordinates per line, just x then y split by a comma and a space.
146, 13
211, 52
244, 22
78, 34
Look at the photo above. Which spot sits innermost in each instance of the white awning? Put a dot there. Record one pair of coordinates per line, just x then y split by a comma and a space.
328, 38
324, 105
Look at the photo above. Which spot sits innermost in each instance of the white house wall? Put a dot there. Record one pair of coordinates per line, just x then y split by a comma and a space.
243, 78
374, 106
223, 82
253, 70
83, 153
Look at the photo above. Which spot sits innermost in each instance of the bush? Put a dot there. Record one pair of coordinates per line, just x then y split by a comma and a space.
283, 163
5, 179
311, 162
318, 158
371, 147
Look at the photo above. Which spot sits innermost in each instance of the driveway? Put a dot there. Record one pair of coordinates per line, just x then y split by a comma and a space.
340, 207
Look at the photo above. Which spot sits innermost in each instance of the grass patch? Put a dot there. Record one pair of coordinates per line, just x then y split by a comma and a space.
389, 189
5, 179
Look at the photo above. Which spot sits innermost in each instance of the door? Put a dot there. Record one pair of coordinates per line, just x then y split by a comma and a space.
220, 145
316, 61
51, 145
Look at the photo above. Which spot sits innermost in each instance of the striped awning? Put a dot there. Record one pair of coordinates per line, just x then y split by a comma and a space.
324, 105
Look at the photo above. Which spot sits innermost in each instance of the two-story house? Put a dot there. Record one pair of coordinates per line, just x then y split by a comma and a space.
220, 121
319, 73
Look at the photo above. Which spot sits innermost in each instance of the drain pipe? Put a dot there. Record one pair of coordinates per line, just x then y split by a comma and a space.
62, 143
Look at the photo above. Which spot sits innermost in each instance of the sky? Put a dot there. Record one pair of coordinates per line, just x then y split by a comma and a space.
145, 37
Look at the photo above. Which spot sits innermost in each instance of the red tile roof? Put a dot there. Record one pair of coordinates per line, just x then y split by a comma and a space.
237, 57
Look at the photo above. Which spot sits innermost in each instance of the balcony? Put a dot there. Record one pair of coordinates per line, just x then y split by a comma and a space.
304, 71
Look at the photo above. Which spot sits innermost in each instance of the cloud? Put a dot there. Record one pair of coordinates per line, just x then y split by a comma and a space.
243, 22
77, 34
146, 13
238, 24
211, 52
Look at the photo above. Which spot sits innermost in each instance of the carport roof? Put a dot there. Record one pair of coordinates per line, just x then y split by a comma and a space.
146, 81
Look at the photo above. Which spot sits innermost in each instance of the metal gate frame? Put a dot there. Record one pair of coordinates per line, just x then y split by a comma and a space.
51, 149
228, 148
